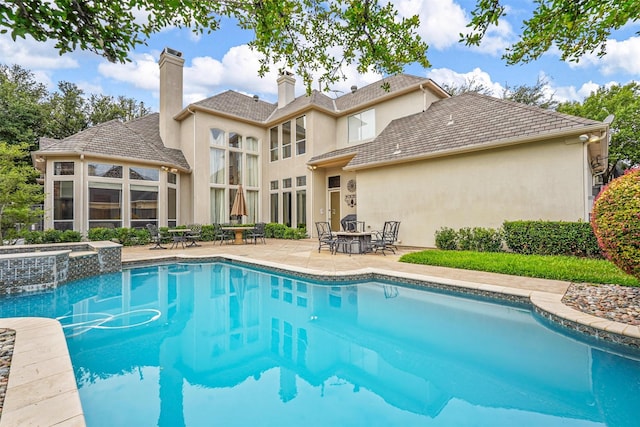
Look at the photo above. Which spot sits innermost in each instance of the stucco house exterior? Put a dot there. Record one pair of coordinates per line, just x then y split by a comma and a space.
411, 153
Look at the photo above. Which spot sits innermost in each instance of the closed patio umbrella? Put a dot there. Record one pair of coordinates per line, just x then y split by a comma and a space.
239, 207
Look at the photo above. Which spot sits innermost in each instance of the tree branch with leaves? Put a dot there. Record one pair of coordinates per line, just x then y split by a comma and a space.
312, 37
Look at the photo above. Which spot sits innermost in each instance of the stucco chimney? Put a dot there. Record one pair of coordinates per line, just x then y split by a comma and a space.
286, 88
171, 65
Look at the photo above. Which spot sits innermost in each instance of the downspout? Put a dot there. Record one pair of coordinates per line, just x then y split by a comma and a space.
84, 222
193, 181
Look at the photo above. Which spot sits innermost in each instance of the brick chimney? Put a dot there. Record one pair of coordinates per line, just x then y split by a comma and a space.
171, 65
286, 88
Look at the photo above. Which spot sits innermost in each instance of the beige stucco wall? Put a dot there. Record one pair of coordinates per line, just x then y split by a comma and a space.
536, 181
386, 111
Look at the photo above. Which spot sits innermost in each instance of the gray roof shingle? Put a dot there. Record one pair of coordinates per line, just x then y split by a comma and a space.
375, 90
465, 121
237, 104
136, 139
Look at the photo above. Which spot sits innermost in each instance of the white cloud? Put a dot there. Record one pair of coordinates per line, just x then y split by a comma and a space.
571, 93
446, 76
142, 72
34, 55
441, 21
621, 57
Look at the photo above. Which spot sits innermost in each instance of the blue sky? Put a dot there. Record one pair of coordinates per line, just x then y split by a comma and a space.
222, 61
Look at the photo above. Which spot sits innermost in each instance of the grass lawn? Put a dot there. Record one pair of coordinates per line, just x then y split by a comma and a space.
570, 269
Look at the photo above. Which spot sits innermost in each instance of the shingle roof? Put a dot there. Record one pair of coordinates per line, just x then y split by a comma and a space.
375, 90
465, 121
316, 98
237, 104
135, 139
246, 107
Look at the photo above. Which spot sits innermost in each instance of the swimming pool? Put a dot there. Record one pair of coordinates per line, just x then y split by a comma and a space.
215, 343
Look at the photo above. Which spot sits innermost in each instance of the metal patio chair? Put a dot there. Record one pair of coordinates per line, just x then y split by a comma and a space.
156, 237
387, 238
325, 236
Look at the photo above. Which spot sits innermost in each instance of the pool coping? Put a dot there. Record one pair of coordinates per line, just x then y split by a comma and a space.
42, 389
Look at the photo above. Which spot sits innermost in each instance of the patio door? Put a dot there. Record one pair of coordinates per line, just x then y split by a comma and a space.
334, 210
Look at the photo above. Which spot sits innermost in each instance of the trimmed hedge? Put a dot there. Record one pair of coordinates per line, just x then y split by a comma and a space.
616, 221
51, 236
551, 238
524, 237
469, 239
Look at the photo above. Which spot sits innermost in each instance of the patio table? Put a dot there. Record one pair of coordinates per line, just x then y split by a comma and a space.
178, 236
238, 231
348, 239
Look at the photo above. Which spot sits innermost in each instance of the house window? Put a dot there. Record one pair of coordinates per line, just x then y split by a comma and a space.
216, 166
301, 135
273, 207
362, 126
144, 174
274, 143
274, 185
105, 205
144, 205
286, 183
217, 206
252, 205
286, 208
235, 168
217, 137
334, 181
286, 140
252, 179
252, 143
63, 205
104, 170
172, 178
301, 208
235, 140
172, 207
301, 181
63, 168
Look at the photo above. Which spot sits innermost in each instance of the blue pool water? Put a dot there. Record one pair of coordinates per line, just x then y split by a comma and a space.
217, 344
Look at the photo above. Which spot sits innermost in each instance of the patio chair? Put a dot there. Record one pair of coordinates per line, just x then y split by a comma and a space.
256, 233
222, 235
194, 235
386, 239
325, 236
156, 237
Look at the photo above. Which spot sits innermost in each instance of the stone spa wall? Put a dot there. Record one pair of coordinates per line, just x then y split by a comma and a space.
37, 267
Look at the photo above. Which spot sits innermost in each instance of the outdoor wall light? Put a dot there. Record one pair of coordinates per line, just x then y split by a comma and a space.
312, 168
164, 168
40, 159
173, 170
591, 138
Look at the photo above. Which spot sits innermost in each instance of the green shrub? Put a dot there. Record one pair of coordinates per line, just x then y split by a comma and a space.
616, 221
52, 236
281, 231
100, 233
447, 239
469, 239
550, 238
32, 237
71, 236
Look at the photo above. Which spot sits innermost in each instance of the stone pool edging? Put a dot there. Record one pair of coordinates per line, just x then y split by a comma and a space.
41, 389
